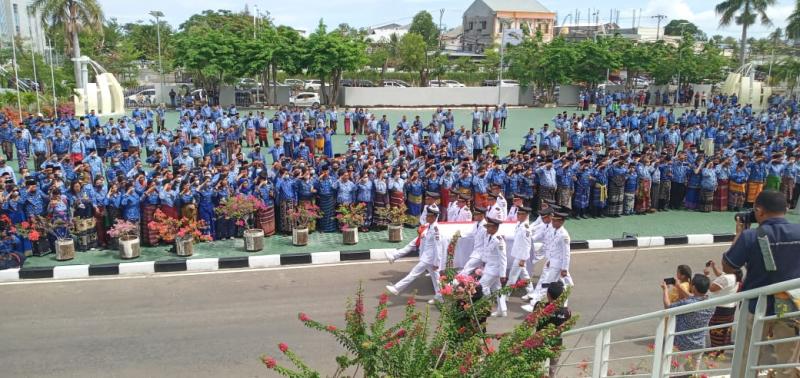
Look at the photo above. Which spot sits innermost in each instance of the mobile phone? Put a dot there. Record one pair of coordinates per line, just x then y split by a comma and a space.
670, 281
708, 263
545, 285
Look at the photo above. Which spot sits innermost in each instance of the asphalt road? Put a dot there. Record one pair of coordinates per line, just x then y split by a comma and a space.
218, 324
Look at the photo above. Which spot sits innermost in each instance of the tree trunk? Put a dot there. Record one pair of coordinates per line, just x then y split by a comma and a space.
323, 92
336, 77
76, 47
383, 70
274, 77
267, 85
743, 44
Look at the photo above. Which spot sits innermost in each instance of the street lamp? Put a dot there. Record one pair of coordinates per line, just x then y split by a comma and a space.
502, 22
680, 59
158, 15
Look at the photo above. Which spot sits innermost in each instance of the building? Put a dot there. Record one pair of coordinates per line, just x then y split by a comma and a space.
481, 21
451, 39
582, 32
15, 21
383, 33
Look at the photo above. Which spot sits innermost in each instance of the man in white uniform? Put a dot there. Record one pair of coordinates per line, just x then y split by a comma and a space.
431, 258
521, 251
558, 256
432, 201
458, 211
501, 199
512, 212
494, 210
494, 273
541, 229
478, 235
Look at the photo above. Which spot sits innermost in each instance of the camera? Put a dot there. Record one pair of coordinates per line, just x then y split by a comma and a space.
746, 218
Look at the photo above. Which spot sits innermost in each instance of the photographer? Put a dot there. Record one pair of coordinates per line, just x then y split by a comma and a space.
773, 260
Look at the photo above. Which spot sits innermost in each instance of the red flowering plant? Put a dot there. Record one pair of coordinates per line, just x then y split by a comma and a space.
169, 228
124, 230
351, 216
28, 230
302, 216
240, 208
395, 215
455, 346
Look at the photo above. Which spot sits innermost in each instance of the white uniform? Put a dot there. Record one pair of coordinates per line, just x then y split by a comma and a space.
451, 211
557, 253
512, 214
459, 214
501, 201
495, 269
430, 258
476, 257
520, 253
496, 212
424, 214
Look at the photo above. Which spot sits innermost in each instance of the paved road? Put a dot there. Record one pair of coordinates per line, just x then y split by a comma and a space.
213, 325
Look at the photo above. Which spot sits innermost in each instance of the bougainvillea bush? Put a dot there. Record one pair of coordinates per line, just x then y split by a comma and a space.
455, 345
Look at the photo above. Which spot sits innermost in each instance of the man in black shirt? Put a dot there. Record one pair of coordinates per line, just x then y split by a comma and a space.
559, 317
778, 262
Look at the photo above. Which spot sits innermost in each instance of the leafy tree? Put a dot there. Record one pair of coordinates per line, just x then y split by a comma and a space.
744, 13
413, 55
209, 54
423, 25
793, 26
595, 59
676, 27
143, 38
328, 55
70, 16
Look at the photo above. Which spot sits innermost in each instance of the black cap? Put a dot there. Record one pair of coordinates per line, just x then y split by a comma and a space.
432, 194
493, 221
432, 210
492, 195
463, 197
547, 211
558, 215
524, 209
480, 209
30, 182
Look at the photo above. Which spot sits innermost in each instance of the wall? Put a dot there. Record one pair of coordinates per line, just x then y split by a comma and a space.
426, 96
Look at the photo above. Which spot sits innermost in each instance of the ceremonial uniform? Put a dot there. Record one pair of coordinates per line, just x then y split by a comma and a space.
557, 253
520, 253
430, 259
494, 254
479, 239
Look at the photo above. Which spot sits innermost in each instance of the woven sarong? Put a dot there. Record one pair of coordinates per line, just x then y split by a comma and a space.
327, 204
616, 195
265, 220
564, 196
706, 200
721, 196
149, 237
379, 202
547, 194
692, 199
721, 336
787, 187
643, 196
753, 190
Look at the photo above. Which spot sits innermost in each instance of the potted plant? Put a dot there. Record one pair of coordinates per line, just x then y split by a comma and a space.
241, 208
395, 215
58, 228
350, 217
301, 217
183, 232
39, 245
128, 236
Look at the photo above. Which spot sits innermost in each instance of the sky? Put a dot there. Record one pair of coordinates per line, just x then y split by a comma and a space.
305, 14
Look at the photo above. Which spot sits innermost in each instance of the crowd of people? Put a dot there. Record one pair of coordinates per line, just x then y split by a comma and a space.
618, 160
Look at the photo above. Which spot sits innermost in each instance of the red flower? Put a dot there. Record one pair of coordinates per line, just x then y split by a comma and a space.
462, 330
25, 224
270, 362
283, 347
331, 328
447, 290
303, 317
463, 369
549, 309
532, 342
383, 299
382, 314
411, 301
520, 284
359, 307
388, 345
33, 235
400, 333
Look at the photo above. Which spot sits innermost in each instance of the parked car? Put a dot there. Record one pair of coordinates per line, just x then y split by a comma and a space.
489, 83
305, 99
505, 83
640, 83
395, 83
446, 84
312, 85
356, 83
145, 97
246, 83
295, 83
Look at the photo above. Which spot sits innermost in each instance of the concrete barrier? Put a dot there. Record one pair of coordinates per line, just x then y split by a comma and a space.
428, 96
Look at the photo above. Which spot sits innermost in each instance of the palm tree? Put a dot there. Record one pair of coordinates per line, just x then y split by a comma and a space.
72, 15
793, 26
744, 13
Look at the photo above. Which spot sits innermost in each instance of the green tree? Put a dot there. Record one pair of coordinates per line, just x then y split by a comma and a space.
596, 58
744, 13
328, 55
70, 16
676, 27
793, 25
413, 55
143, 38
423, 25
209, 54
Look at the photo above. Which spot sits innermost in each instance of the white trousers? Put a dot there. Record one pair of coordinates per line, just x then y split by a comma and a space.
417, 271
398, 253
471, 265
520, 272
550, 274
491, 284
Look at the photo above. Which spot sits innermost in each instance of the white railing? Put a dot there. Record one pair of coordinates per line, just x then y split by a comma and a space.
662, 364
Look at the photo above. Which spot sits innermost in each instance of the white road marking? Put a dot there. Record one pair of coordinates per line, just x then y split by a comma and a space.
309, 266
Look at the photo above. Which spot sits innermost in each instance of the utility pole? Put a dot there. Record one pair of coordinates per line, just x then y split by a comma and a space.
255, 27
33, 59
439, 72
52, 78
680, 59
14, 35
158, 15
658, 27
502, 55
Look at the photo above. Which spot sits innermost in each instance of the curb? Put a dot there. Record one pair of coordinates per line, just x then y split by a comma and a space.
315, 258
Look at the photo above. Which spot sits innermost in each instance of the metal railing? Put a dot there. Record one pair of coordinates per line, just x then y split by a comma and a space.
662, 364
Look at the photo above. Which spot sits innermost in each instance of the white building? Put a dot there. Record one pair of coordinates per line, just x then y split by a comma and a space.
383, 33
15, 21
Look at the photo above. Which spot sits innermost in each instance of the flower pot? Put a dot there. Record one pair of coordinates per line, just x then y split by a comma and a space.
129, 248
395, 233
253, 240
41, 247
350, 236
184, 247
299, 236
65, 249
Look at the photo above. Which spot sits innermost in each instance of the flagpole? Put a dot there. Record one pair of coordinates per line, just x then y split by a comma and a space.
16, 72
52, 79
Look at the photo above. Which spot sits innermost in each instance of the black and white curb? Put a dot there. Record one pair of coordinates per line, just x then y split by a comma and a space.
315, 258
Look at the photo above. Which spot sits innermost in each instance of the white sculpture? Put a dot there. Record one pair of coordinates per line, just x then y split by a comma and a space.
105, 96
